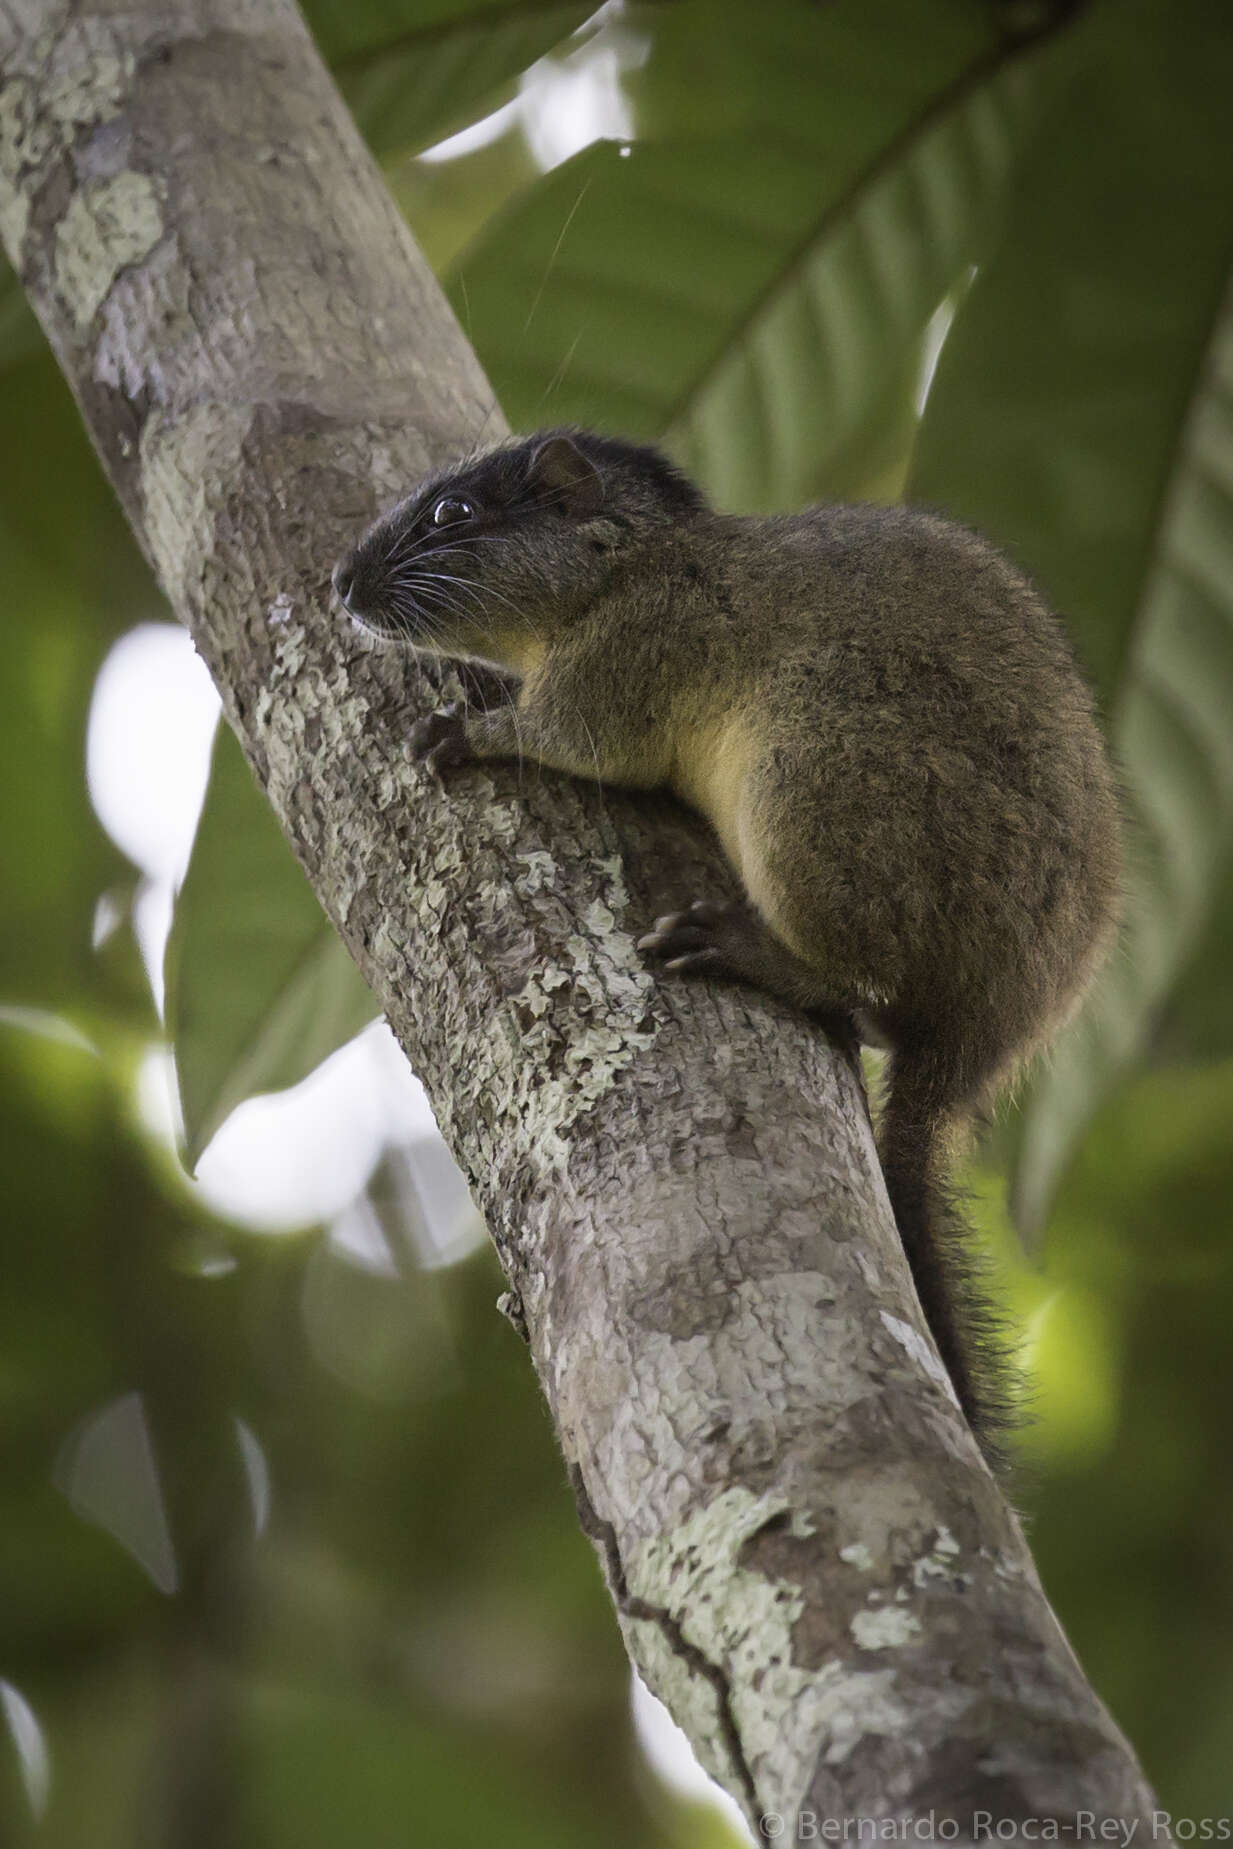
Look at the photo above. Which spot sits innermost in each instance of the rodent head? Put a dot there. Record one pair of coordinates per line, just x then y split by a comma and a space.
496, 557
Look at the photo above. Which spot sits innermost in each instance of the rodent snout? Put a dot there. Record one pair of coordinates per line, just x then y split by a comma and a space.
359, 584
343, 580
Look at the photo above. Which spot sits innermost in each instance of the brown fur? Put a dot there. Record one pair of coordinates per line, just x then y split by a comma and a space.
876, 711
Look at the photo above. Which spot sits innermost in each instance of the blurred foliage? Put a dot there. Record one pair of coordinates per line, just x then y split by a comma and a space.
286, 1549
763, 316
292, 995
1083, 415
412, 75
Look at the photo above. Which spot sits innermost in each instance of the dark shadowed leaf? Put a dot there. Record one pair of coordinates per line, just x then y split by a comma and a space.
1198, 1023
416, 73
20, 334
1083, 415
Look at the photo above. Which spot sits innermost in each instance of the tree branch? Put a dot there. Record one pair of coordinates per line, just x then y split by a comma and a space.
812, 1566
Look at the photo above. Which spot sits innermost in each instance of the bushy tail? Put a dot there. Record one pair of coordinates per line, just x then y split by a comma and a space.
925, 1108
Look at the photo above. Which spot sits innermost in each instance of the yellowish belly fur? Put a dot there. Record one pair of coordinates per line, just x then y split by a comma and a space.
712, 772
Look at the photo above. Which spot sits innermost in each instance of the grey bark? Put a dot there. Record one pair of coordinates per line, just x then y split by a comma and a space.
811, 1564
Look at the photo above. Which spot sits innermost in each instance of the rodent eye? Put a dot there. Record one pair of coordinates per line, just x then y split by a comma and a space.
451, 509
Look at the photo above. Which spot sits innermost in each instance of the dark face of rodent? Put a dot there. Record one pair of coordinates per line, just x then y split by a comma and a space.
493, 559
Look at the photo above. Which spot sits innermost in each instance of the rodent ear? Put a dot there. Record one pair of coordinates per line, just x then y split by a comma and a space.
561, 474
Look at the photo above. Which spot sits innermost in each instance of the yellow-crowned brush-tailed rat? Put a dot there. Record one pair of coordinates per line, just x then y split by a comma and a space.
876, 712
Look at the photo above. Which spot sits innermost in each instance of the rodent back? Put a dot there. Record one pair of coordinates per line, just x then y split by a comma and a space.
929, 747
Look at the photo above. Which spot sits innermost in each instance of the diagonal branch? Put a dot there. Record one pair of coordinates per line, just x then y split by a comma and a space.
812, 1566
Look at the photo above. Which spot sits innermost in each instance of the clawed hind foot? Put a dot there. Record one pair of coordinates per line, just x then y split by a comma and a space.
706, 938
733, 943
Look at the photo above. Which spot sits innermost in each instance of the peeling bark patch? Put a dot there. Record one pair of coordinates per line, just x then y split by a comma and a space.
856, 1706
742, 1620
787, 1546
884, 1628
108, 226
178, 463
631, 1606
604, 969
85, 86
25, 142
915, 1345
940, 1563
91, 79
14, 217
25, 138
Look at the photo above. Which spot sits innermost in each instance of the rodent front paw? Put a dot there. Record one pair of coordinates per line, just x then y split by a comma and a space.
440, 740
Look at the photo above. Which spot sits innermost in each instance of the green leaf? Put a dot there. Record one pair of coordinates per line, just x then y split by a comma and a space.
447, 202
259, 987
1198, 1023
415, 75
755, 314
322, 1756
21, 337
1083, 415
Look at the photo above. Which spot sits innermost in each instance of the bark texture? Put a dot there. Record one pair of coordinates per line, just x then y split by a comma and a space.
812, 1566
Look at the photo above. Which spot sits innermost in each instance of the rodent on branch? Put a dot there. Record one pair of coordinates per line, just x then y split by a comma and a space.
874, 709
